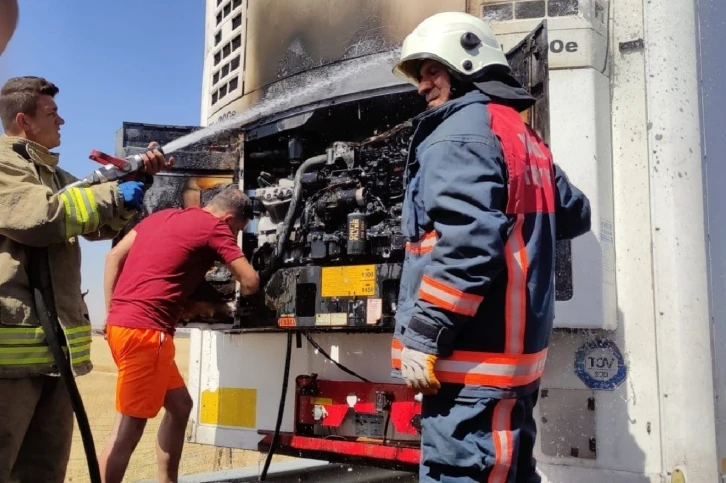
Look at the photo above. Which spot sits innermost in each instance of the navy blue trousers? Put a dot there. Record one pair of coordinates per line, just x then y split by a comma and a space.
478, 440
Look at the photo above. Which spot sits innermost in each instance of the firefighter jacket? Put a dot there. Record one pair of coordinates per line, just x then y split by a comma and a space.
33, 214
483, 209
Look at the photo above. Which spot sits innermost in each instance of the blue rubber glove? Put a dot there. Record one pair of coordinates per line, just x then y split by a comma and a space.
133, 193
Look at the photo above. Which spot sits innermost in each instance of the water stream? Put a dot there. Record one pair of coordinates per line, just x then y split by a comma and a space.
312, 86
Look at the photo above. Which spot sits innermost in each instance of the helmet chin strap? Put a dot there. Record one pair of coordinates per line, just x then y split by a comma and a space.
459, 87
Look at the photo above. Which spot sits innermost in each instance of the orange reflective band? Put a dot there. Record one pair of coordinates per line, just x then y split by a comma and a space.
483, 368
424, 245
503, 440
516, 296
396, 348
449, 298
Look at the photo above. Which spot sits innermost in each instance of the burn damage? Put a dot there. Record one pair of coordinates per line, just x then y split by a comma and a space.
328, 194
285, 37
199, 172
327, 183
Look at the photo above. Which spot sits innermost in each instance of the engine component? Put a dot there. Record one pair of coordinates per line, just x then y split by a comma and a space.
349, 202
329, 246
356, 233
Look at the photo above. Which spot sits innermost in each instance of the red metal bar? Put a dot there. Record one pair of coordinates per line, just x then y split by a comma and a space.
104, 158
353, 448
409, 456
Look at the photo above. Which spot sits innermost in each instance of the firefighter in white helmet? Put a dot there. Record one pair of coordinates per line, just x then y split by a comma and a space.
483, 210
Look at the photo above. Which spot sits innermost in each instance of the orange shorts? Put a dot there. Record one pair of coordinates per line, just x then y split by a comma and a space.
146, 369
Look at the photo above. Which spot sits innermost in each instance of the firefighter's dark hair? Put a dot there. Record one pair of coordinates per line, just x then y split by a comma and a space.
21, 94
233, 200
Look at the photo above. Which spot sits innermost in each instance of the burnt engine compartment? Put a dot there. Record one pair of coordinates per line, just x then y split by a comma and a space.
327, 183
326, 237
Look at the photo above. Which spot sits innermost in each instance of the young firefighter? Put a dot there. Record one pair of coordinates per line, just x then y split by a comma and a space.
36, 418
149, 276
484, 208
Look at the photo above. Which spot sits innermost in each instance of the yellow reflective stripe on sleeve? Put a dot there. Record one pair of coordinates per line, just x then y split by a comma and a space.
79, 341
21, 335
81, 353
81, 328
73, 226
81, 211
79, 331
89, 201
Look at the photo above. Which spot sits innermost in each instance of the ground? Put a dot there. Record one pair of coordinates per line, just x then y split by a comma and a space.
98, 392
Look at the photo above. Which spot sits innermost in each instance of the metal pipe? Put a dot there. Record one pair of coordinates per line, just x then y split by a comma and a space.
292, 213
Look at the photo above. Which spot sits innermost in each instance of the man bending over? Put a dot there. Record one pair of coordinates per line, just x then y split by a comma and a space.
149, 276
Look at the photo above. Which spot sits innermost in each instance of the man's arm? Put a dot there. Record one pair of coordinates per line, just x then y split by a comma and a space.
463, 187
247, 277
222, 242
114, 263
572, 208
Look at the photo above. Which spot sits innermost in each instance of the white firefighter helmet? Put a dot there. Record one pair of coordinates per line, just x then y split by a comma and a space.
462, 42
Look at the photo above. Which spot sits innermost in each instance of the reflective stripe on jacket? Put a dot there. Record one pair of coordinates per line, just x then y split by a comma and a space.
484, 207
25, 347
33, 214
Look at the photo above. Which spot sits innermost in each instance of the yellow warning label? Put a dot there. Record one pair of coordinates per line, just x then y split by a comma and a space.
357, 280
229, 406
321, 401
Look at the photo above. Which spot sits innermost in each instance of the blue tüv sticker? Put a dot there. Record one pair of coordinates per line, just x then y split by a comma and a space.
600, 365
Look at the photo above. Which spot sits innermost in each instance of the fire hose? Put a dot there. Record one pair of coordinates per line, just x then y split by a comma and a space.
42, 289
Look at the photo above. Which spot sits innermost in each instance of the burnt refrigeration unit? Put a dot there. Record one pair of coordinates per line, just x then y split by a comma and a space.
327, 197
327, 182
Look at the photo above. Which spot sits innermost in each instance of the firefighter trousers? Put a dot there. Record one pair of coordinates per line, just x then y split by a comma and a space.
478, 440
36, 430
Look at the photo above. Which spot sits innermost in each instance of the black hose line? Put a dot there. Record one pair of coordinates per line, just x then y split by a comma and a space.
281, 409
327, 356
38, 266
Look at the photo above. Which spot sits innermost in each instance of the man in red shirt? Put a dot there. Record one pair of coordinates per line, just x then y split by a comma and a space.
149, 276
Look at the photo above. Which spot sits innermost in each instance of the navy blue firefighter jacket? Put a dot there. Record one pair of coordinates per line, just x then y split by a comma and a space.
483, 209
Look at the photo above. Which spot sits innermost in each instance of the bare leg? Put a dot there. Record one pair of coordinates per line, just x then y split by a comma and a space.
120, 446
178, 406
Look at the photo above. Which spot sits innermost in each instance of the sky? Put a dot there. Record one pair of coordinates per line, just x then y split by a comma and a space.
114, 61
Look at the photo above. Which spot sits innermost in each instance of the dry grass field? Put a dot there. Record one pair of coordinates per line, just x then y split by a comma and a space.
98, 391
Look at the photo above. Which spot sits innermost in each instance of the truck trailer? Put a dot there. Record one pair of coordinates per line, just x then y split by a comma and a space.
315, 128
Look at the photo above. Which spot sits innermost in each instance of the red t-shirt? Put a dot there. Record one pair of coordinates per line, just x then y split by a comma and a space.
171, 253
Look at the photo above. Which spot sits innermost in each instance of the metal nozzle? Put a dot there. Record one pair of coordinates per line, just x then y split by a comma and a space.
115, 169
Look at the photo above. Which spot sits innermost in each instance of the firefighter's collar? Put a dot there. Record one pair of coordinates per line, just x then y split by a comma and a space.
440, 113
34, 152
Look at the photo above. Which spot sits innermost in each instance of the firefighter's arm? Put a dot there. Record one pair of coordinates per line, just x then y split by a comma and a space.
111, 226
110, 230
572, 208
31, 214
464, 186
